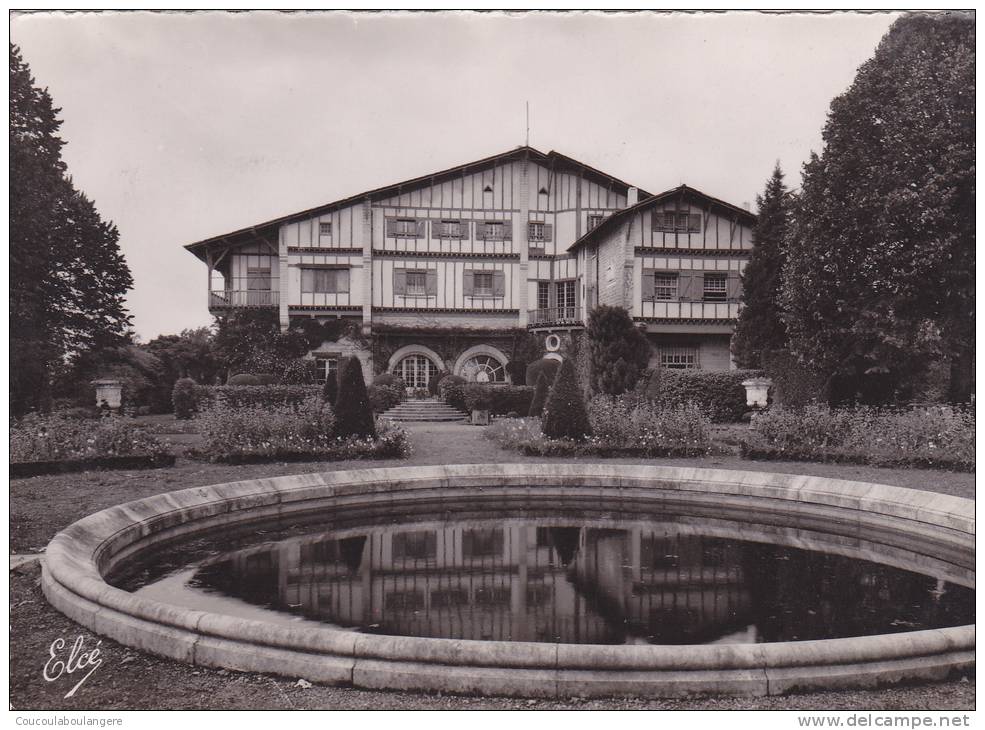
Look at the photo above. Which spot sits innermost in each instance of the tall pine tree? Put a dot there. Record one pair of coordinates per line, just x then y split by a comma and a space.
68, 278
760, 328
880, 269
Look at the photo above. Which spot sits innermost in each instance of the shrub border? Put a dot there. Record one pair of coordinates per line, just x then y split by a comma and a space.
765, 453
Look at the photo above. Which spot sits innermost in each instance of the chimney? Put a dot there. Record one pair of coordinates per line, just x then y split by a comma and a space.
632, 197
745, 204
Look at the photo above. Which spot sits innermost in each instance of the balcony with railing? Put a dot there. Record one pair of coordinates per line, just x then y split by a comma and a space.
246, 298
557, 316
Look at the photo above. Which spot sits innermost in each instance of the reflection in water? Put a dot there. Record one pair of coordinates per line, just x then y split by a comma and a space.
515, 580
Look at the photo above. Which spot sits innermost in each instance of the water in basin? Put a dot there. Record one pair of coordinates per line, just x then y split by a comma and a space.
591, 577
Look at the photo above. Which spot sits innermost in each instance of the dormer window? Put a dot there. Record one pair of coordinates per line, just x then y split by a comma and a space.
594, 220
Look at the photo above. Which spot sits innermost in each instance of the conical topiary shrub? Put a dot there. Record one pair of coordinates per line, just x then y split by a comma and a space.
330, 391
565, 415
540, 396
353, 414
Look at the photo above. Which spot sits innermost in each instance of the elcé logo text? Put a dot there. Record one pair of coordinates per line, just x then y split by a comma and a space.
77, 660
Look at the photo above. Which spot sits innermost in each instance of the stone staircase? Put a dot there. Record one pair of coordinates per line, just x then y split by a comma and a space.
427, 411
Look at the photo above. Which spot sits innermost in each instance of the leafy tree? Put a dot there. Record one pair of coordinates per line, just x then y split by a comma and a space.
353, 413
879, 275
187, 355
760, 328
68, 278
565, 415
540, 396
620, 352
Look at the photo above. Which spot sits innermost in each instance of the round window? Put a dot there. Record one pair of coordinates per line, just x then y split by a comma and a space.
552, 343
484, 369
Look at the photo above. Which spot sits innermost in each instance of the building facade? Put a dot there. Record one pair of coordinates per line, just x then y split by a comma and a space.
454, 270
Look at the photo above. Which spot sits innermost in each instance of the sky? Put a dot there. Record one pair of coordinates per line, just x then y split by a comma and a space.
182, 126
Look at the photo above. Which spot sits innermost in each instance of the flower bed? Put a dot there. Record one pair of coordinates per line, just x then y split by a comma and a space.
302, 432
51, 444
620, 427
932, 436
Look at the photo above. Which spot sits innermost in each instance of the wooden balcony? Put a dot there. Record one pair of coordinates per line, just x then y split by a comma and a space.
236, 298
560, 316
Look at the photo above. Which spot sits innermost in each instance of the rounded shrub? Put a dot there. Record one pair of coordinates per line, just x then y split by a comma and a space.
452, 390
244, 379
384, 397
547, 366
565, 414
183, 398
353, 414
389, 380
540, 396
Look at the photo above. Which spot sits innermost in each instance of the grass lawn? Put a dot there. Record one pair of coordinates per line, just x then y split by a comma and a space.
41, 506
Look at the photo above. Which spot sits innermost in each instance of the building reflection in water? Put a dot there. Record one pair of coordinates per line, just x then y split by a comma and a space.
518, 581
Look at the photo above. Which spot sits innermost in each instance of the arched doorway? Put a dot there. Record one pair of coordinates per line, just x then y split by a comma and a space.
416, 370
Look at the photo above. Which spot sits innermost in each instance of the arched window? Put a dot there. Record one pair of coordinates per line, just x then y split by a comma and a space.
483, 369
416, 371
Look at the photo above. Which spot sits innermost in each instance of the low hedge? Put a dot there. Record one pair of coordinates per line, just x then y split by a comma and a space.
931, 436
197, 398
719, 393
23, 469
498, 399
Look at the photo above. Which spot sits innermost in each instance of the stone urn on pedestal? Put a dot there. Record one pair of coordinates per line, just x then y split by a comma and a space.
757, 395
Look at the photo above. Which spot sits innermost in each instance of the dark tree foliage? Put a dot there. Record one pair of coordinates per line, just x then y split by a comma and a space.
353, 413
540, 396
620, 352
68, 277
188, 355
330, 390
565, 415
760, 329
879, 277
546, 366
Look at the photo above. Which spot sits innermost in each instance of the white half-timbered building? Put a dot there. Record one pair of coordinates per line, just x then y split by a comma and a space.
448, 270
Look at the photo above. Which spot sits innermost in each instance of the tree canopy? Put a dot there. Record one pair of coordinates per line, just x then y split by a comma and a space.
760, 328
879, 272
68, 278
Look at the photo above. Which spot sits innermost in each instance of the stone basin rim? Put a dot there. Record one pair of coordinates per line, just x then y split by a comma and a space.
73, 582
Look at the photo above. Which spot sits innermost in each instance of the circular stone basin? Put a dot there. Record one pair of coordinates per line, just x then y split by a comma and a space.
536, 580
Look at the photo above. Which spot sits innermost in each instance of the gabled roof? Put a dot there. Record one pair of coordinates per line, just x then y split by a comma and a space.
268, 229
682, 192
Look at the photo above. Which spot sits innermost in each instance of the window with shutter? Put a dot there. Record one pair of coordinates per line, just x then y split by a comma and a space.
404, 228
258, 279
734, 287
400, 281
324, 281
482, 283
665, 287
539, 232
417, 283
432, 282
646, 285
499, 284
594, 220
446, 228
715, 288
